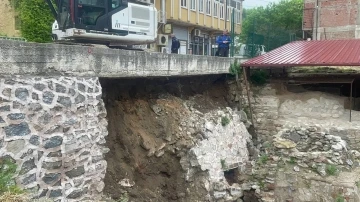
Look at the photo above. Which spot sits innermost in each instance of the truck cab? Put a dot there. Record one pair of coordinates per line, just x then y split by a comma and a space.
104, 21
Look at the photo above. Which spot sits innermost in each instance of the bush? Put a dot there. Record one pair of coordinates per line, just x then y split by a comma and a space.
235, 69
225, 121
36, 19
259, 77
331, 170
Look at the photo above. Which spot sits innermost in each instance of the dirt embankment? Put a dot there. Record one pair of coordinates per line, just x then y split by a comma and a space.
143, 115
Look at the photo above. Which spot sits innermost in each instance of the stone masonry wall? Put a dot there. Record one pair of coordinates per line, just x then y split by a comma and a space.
300, 135
54, 129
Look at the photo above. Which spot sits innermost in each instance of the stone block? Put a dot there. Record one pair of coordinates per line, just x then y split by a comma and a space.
39, 86
27, 166
35, 140
55, 193
29, 179
22, 93
53, 142
48, 97
60, 88
15, 146
52, 165
75, 194
66, 101
76, 172
21, 129
51, 178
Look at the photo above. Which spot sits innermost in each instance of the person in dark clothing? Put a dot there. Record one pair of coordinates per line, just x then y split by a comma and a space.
175, 45
223, 42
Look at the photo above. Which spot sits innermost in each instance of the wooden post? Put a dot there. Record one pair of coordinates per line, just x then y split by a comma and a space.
351, 90
248, 94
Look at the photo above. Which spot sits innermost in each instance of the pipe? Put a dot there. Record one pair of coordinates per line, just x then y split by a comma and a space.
317, 19
163, 14
351, 91
225, 7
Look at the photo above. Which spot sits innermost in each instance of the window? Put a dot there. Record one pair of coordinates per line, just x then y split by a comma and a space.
208, 7
201, 5
115, 4
215, 9
233, 3
221, 11
238, 17
183, 3
229, 13
193, 5
238, 5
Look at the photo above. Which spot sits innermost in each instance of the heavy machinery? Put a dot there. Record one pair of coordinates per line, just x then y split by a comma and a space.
107, 22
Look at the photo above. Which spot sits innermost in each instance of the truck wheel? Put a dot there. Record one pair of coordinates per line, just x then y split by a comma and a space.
54, 37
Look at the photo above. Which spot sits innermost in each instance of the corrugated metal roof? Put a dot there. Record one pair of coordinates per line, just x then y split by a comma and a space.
311, 53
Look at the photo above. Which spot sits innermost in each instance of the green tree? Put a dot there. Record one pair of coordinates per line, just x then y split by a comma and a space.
273, 25
36, 19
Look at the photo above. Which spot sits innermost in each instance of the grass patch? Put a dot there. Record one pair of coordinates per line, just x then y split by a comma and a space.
7, 173
357, 183
331, 170
13, 197
261, 184
225, 121
292, 160
263, 159
340, 198
9, 192
223, 163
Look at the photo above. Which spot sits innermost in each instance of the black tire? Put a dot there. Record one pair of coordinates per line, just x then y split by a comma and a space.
54, 37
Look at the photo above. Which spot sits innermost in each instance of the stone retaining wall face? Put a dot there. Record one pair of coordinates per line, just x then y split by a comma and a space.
54, 129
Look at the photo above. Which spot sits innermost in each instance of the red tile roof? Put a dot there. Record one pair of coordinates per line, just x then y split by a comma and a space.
311, 53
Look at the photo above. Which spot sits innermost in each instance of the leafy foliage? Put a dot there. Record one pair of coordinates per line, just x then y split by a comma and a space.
273, 25
36, 19
331, 170
225, 121
340, 198
7, 172
259, 77
235, 68
263, 159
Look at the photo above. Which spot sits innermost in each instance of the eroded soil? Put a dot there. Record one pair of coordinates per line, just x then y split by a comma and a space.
143, 114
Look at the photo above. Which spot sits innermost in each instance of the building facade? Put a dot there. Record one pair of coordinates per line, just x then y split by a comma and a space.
196, 23
9, 21
334, 19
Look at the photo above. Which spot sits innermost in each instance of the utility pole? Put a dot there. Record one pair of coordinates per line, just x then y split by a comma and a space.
225, 7
232, 32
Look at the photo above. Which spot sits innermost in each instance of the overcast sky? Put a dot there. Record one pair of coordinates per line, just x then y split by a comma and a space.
255, 3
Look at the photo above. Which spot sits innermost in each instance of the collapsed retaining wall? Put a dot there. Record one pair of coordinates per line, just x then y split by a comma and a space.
54, 129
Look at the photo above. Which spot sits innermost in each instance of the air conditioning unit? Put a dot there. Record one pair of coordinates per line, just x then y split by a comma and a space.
197, 32
162, 40
164, 50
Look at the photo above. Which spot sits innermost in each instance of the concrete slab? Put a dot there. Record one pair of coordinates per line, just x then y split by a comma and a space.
23, 58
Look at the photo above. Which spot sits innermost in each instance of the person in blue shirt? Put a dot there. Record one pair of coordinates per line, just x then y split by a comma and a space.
223, 42
175, 45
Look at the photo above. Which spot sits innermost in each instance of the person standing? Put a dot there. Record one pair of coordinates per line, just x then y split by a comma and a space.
223, 42
175, 44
